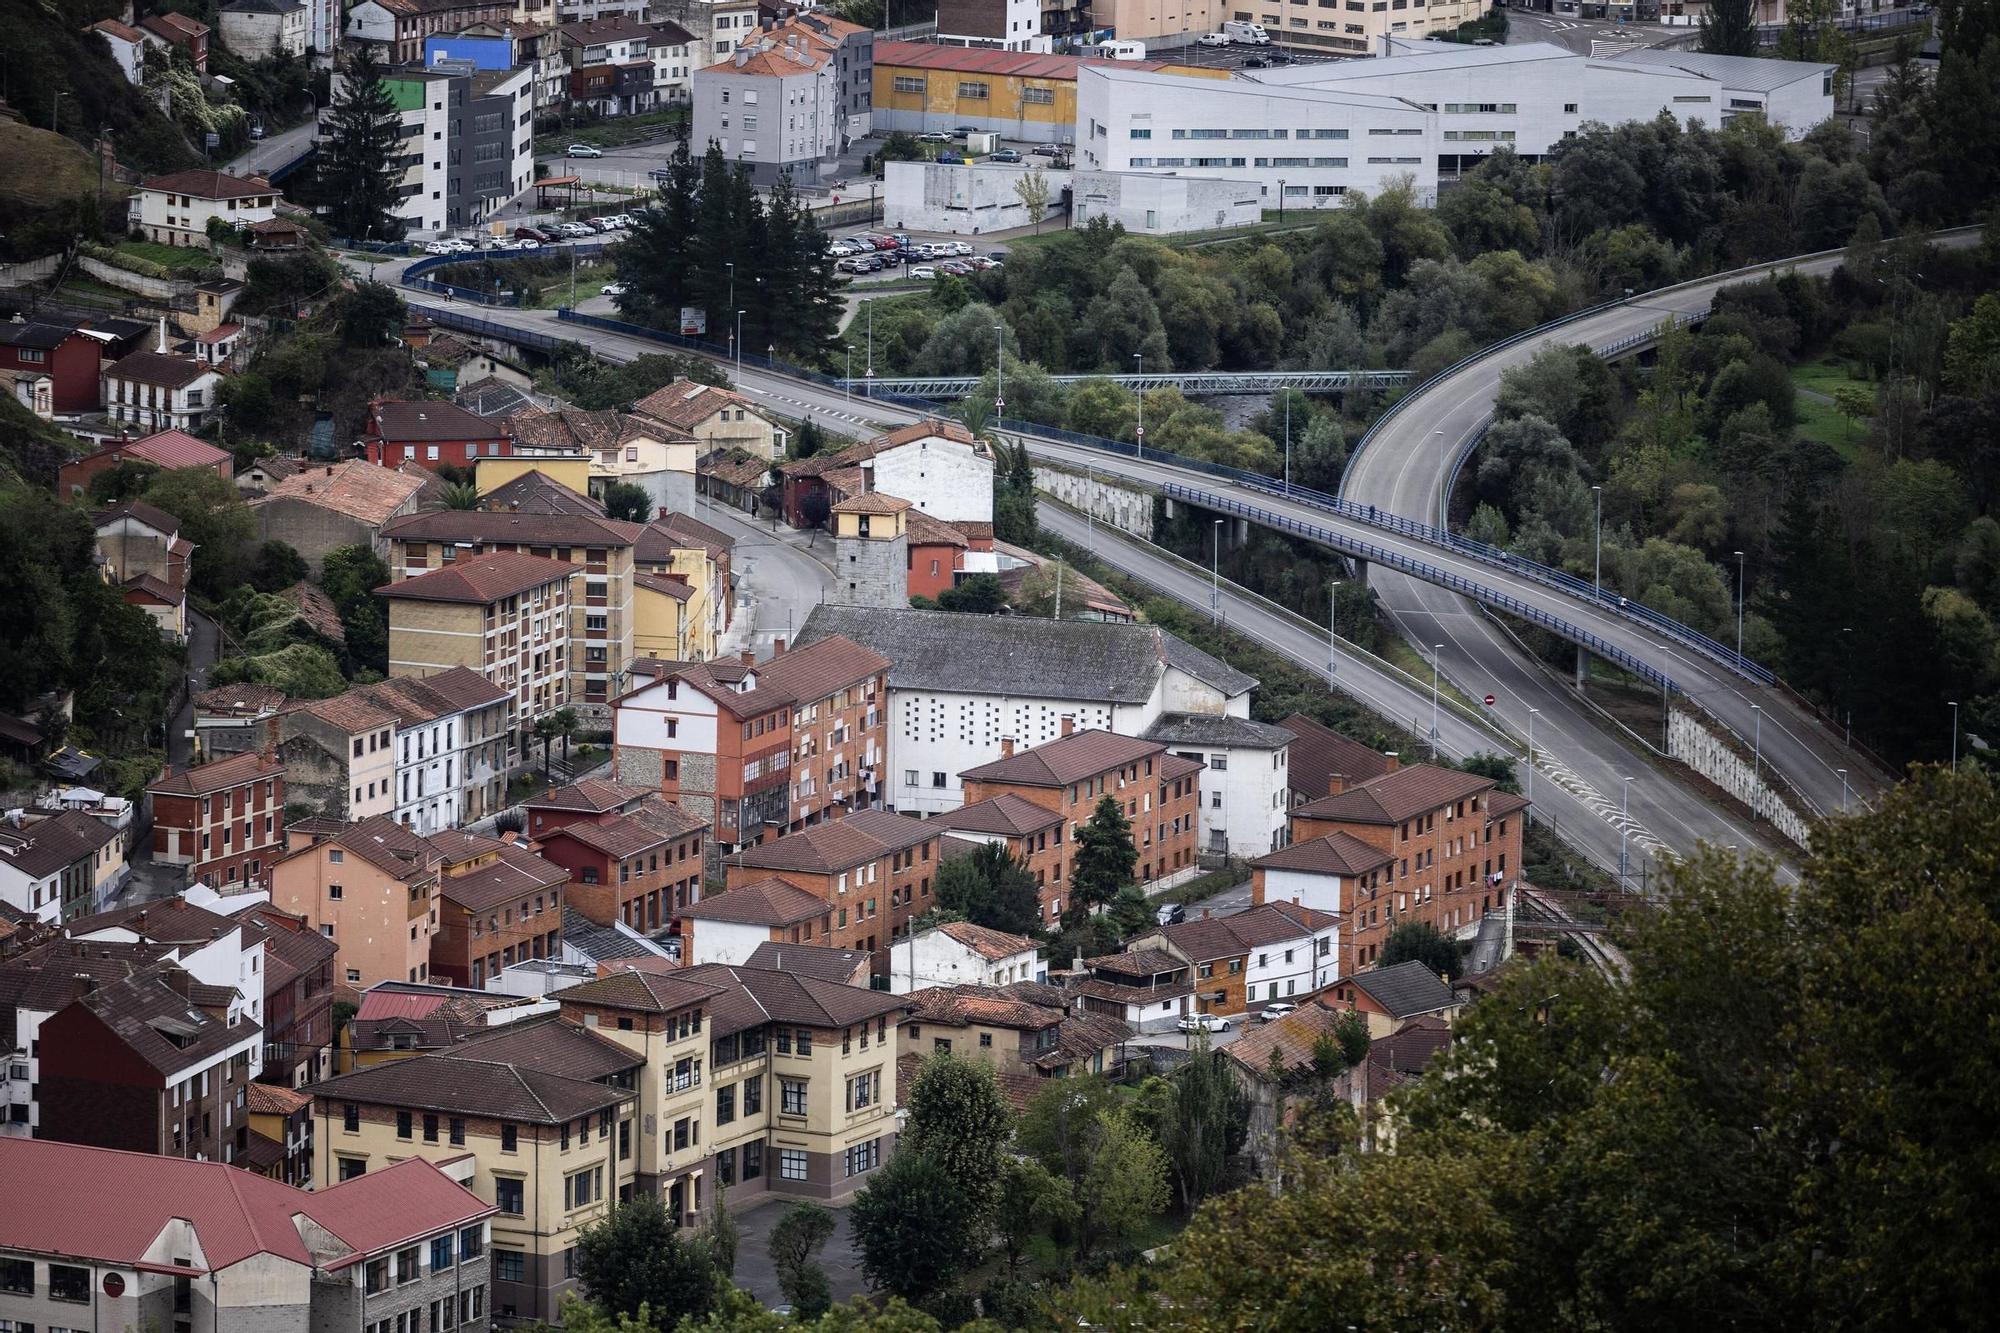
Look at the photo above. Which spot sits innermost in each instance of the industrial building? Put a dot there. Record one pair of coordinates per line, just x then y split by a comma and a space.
1022, 96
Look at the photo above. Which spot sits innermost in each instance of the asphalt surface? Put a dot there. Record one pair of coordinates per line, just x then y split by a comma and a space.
780, 578
755, 1272
271, 153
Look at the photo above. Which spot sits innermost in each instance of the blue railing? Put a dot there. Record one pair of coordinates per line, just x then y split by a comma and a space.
413, 275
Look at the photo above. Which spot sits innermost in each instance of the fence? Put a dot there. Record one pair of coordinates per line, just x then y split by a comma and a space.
413, 275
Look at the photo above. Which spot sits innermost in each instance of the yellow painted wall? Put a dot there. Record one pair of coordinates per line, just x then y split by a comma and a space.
492, 473
656, 625
1002, 102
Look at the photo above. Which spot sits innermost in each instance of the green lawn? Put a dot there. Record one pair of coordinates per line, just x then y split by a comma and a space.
1821, 420
183, 258
611, 133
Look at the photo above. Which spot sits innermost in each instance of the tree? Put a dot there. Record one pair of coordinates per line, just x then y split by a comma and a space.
214, 517
795, 1244
1972, 349
637, 1259
1420, 941
1029, 1201
1125, 1185
912, 1227
990, 887
628, 503
546, 730
462, 495
276, 566
958, 1119
1057, 1125
370, 315
349, 576
1014, 495
979, 594
567, 724
1496, 766
1202, 1121
1105, 856
123, 480
1728, 28
358, 175
719, 1234
1032, 189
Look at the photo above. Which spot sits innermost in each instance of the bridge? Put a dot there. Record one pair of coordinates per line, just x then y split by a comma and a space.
1193, 383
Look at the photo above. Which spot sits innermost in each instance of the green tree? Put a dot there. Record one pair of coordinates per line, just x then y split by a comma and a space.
1125, 1185
1029, 1202
545, 730
978, 594
1057, 1125
1496, 766
276, 566
124, 480
913, 1227
349, 576
214, 517
1105, 856
958, 1120
358, 175
628, 503
990, 887
1421, 942
635, 1259
1972, 349
719, 1233
1032, 189
1202, 1121
1728, 28
795, 1244
370, 315
567, 723
462, 495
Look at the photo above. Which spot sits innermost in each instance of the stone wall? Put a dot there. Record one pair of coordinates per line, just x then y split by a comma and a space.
868, 572
1123, 507
1715, 756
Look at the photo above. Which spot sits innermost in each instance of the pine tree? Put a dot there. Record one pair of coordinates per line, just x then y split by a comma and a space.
357, 173
1105, 856
1728, 30
658, 261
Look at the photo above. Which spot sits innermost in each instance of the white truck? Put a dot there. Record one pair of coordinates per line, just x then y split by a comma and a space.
1248, 34
1121, 50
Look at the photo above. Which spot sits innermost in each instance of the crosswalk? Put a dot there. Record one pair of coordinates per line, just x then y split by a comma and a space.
1600, 805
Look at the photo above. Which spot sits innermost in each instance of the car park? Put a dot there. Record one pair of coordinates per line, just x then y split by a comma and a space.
582, 150
923, 271
1276, 1010
1003, 155
1204, 1023
1045, 150
933, 137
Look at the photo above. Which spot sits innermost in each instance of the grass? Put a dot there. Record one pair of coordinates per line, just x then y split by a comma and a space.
182, 258
45, 169
1205, 886
616, 133
1821, 420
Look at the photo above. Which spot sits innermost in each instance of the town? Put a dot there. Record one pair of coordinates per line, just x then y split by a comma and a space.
678, 665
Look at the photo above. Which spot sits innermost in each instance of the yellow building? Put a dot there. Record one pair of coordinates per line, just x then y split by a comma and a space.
661, 624
1018, 94
569, 467
544, 1109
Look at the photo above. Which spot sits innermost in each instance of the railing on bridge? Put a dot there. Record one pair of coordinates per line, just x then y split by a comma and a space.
1209, 384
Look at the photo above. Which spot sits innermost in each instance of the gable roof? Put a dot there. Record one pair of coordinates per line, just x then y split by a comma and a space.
642, 989
807, 960
685, 404
431, 420
1067, 759
1217, 730
1335, 853
655, 821
1007, 813
765, 996
1293, 1037
821, 669
165, 449
52, 845
595, 795
159, 520
481, 579
987, 942
762, 902
1207, 938
515, 872
1398, 795
538, 493
1319, 752
161, 369
164, 921
208, 184
162, 1026
202, 779
839, 845
360, 490
1405, 990
553, 1045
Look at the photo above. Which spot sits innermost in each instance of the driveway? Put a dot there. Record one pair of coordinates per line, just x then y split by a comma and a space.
755, 1272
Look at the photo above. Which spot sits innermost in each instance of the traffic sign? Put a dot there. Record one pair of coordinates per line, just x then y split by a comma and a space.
1490, 701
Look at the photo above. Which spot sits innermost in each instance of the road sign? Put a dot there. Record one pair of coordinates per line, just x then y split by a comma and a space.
1490, 701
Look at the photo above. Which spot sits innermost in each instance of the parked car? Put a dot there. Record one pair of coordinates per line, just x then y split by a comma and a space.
582, 150
923, 271
531, 234
436, 248
613, 289
996, 255
574, 229
1045, 150
1204, 1023
951, 159
933, 137
1172, 914
1276, 1010
527, 243
883, 242
660, 173
1214, 39
506, 243
1003, 155
958, 247
957, 268
1256, 62
961, 131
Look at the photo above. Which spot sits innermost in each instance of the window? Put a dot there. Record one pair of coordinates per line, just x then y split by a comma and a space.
805, 1042
457, 1132
404, 1124
583, 1188
471, 1243
973, 90
509, 1266
376, 1276
406, 1265
69, 1283
903, 84
440, 1252
792, 1096
508, 1196
18, 1276
350, 1167
1038, 96
753, 1160
753, 1094
725, 1105
430, 1129
509, 1138
334, 891
864, 1157
791, 1164
863, 1090
350, 1118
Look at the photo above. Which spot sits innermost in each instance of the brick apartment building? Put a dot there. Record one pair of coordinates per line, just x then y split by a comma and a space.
222, 820
1033, 834
298, 997
873, 868
641, 866
499, 904
429, 433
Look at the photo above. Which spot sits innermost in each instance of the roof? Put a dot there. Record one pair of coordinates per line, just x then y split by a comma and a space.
1335, 853
1405, 990
168, 449
808, 960
1204, 939
155, 587
465, 1084
735, 467
491, 396
652, 823
553, 1045
413, 699
274, 1099
53, 845
643, 990
1398, 795
685, 404
1206, 667
689, 532
159, 368
202, 779
765, 996
517, 871
162, 1026
40, 334
603, 944
163, 921
1136, 963
208, 184
47, 977
292, 947
175, 26
821, 669
594, 32
678, 589
923, 530
138, 510
1319, 752
1411, 1047
113, 28
506, 529
769, 53
360, 490
1293, 1037
235, 1213
539, 493
973, 1003
973, 60
1747, 73
1068, 759
481, 579
386, 845
762, 902
594, 795
350, 711
1217, 730
1014, 816
840, 844
986, 942
431, 420
873, 502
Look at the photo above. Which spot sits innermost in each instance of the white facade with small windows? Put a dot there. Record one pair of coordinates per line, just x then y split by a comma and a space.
1245, 779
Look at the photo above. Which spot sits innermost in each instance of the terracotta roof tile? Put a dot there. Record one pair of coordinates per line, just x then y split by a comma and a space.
1336, 853
1014, 816
839, 845
596, 795
762, 902
161, 369
496, 529
481, 579
1399, 795
430, 420
821, 669
986, 942
1068, 759
202, 779
361, 491
685, 404
1320, 752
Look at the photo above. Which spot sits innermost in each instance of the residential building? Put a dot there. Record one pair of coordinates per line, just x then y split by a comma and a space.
719, 418
591, 801
772, 107
34, 390
598, 636
936, 465
678, 547
127, 45
536, 492
159, 390
800, 1093
1033, 834
140, 1239
40, 974
528, 43
1331, 872
731, 927
298, 996
641, 867
220, 819
542, 1112
873, 868
1389, 997
1009, 25
471, 128
428, 433
610, 65
321, 509
264, 29
394, 1020
164, 31
961, 685
1320, 754
1245, 778
871, 551
718, 26
339, 755
1017, 1037
676, 54
397, 28
176, 209
622, 447
1272, 952
280, 1134
499, 904
229, 719
155, 1063
50, 867
922, 88
1455, 840
1149, 989
780, 745
1159, 793
70, 356
959, 953
444, 759
372, 888
503, 615
148, 561
168, 450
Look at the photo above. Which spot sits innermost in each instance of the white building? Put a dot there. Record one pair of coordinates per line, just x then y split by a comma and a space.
717, 26
1283, 951
996, 25
265, 29
959, 953
469, 140
730, 927
1321, 873
938, 467
128, 46
158, 390
175, 209
322, 29
961, 685
1245, 781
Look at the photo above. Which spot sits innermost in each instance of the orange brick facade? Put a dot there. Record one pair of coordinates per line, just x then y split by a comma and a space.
229, 836
1161, 796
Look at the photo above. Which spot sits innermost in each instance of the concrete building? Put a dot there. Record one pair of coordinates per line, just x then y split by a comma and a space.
36, 981
220, 819
921, 87
339, 755
717, 26
610, 65
996, 25
468, 132
1357, 29
1245, 779
1026, 1040
697, 555
935, 464
229, 719
71, 355
298, 996
961, 686
1274, 952
959, 953
1034, 835
370, 887
776, 103
159, 391
265, 29
1162, 205
642, 866
875, 869
719, 418
320, 509
731, 927
397, 28
871, 551
145, 556
127, 44
621, 447
176, 209
498, 904
168, 31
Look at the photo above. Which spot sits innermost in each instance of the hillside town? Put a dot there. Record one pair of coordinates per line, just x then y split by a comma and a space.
677, 665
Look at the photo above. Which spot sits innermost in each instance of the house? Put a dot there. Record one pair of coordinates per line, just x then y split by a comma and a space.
591, 801
220, 819
642, 867
1272, 952
1146, 988
734, 477
40, 974
236, 1251
785, 744
1454, 839
166, 31
1017, 1037
730, 927
153, 1063
218, 346
937, 465
814, 62
719, 418
175, 209
610, 65
71, 357
504, 615
1334, 872
1032, 833
675, 55
394, 1020
428, 433
448, 359
144, 556
1389, 997
280, 1134
281, 233
1158, 792
872, 561
622, 447
477, 120
690, 552
873, 868
298, 997
214, 948
160, 390
959, 953
51, 868
1245, 778
339, 755
372, 888
127, 45
168, 450
229, 719
538, 1115
321, 509
1319, 754
535, 492
959, 685
800, 1096
397, 28
598, 638
34, 390
499, 904
264, 29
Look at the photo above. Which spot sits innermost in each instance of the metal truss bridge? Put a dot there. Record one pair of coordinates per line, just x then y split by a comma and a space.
1195, 384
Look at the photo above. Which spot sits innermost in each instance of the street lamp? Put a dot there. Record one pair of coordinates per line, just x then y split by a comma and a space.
1954, 735
1757, 741
730, 264
1437, 651
1288, 443
1281, 200
737, 338
1332, 629
1140, 433
1597, 564
1531, 754
1089, 509
1444, 491
999, 373
1739, 608
1215, 573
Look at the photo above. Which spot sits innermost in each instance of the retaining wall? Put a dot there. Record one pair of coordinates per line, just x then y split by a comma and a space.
1714, 756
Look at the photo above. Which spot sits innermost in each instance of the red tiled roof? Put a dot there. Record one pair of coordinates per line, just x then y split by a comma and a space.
481, 579
1335, 853
655, 822
1397, 796
764, 902
270, 1099
359, 490
678, 589
223, 773
1005, 813
1068, 759
166, 449
985, 941
162, 369
428, 420
821, 669
873, 502
595, 795
685, 404
839, 845
1320, 752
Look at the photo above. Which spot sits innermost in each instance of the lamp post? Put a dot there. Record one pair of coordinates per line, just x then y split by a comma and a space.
730, 264
1597, 562
1444, 490
869, 373
1281, 200
848, 381
1437, 651
1531, 754
1846, 681
1954, 735
1739, 608
999, 373
1139, 434
737, 338
1332, 630
1757, 740
1089, 509
1215, 573
1288, 443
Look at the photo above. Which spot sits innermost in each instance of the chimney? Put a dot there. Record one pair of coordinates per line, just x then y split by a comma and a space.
1006, 747
163, 335
85, 983
1393, 760
1069, 724
748, 657
1336, 783
329, 469
1206, 914
777, 647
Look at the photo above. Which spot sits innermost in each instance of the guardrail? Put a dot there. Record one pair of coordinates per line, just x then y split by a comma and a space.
413, 274
1211, 383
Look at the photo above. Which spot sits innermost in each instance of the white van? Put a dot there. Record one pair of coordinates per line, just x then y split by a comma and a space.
1121, 50
1250, 34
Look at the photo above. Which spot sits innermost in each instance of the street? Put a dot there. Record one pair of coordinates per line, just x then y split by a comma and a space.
779, 579
269, 154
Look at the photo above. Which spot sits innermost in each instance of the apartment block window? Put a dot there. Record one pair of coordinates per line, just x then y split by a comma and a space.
404, 1124
805, 1042
376, 1277
792, 1096
70, 1284
753, 1094
509, 1266
17, 1276
471, 1244
350, 1118
583, 1188
509, 1196
509, 1138
457, 1132
406, 1265
430, 1129
791, 1164
753, 1161
863, 1090
864, 1157
440, 1252
725, 1105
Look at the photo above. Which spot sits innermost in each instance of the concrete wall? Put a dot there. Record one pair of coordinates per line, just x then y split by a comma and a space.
1164, 205
1716, 757
1121, 507
945, 479
870, 572
961, 200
